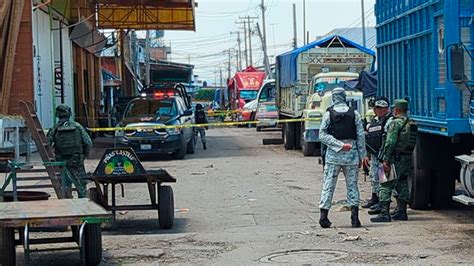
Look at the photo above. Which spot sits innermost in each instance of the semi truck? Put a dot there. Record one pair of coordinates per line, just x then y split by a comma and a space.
305, 78
424, 53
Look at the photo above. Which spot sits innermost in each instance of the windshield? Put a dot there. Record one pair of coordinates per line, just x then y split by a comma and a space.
268, 93
248, 95
270, 108
151, 108
329, 83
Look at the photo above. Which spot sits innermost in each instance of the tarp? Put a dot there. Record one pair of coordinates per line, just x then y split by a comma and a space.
367, 83
286, 63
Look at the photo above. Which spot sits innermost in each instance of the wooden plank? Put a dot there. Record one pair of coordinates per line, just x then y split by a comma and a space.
5, 21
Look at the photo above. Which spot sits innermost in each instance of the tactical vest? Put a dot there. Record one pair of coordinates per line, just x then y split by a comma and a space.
342, 125
200, 117
407, 137
67, 139
375, 134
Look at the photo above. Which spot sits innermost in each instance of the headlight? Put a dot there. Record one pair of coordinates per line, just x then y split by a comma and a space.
173, 131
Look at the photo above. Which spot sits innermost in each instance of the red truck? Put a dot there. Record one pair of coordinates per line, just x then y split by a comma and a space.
244, 86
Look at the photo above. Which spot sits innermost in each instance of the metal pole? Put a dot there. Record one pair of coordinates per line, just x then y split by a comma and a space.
228, 67
363, 24
295, 37
264, 39
246, 49
250, 41
147, 58
239, 65
305, 41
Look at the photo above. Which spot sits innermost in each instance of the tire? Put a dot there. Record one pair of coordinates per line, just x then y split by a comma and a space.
298, 135
93, 244
191, 146
7, 247
308, 148
419, 182
165, 207
182, 151
442, 189
289, 136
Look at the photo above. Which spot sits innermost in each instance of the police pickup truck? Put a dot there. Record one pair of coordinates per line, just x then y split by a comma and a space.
156, 108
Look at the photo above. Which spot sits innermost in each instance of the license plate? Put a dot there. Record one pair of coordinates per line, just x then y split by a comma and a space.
145, 146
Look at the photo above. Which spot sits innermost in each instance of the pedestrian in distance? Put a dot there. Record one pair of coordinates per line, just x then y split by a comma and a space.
342, 132
375, 136
201, 119
71, 145
397, 162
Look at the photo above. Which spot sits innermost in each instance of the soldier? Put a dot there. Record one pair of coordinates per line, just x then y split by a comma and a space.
200, 117
376, 131
71, 144
342, 132
397, 152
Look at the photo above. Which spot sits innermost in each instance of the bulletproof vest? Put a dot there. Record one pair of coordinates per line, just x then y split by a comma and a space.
375, 135
67, 139
200, 117
342, 125
406, 141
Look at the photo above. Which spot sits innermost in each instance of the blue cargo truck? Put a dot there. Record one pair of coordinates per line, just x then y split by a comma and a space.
425, 50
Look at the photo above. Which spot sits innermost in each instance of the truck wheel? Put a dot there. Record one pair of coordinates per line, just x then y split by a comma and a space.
308, 148
182, 151
419, 183
442, 189
7, 247
191, 146
165, 207
93, 244
289, 136
298, 135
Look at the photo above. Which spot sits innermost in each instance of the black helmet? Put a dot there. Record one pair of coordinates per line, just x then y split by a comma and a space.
198, 106
63, 111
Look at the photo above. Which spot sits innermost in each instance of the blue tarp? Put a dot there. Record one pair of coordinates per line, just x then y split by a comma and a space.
286, 63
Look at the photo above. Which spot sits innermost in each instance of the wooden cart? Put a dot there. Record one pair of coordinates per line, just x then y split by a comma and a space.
84, 216
121, 166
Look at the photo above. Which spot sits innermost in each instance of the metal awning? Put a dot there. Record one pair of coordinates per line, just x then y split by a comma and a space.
146, 14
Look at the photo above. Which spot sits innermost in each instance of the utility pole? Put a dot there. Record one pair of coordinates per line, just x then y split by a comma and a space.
239, 55
295, 37
364, 42
305, 40
249, 24
147, 58
228, 66
266, 63
245, 39
264, 39
220, 71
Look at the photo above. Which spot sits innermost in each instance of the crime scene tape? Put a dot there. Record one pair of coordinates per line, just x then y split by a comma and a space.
221, 124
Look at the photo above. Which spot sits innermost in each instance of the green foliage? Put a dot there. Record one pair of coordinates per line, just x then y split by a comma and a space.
205, 94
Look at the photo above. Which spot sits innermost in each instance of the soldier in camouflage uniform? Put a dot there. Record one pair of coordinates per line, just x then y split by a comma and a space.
397, 152
71, 145
342, 132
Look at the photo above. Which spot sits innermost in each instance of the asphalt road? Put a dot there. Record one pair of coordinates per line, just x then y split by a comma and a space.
241, 202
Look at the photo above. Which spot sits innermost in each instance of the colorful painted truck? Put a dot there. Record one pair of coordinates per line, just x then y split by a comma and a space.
244, 86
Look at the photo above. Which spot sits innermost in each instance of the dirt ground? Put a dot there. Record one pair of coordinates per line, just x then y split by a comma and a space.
241, 202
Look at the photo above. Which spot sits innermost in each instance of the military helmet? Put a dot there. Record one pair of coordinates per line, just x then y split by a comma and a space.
63, 110
338, 95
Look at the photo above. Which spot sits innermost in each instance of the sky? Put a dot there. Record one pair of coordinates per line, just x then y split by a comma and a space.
216, 30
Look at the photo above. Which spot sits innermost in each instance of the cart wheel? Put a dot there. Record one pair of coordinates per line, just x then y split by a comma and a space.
94, 195
7, 247
93, 244
165, 207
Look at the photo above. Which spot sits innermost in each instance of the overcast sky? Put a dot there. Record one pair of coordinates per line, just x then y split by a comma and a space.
215, 20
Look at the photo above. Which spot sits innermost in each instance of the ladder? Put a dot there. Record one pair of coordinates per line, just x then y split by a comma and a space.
44, 149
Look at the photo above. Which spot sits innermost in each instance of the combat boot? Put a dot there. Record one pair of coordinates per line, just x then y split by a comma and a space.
376, 209
384, 216
401, 214
395, 211
355, 217
204, 146
372, 201
323, 219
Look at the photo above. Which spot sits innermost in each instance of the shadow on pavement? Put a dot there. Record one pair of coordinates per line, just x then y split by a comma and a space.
144, 227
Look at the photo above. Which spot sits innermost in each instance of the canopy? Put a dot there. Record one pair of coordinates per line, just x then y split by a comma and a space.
367, 83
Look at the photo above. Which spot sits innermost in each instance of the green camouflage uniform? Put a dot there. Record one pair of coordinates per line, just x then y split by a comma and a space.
74, 159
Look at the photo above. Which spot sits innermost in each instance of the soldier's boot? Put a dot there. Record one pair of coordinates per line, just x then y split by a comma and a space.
355, 222
204, 146
384, 216
323, 219
395, 211
376, 209
372, 201
401, 214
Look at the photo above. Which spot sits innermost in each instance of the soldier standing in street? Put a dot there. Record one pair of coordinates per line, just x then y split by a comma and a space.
397, 152
71, 145
342, 132
200, 117
376, 131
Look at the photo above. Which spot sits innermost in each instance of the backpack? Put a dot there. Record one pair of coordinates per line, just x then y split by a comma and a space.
67, 139
407, 137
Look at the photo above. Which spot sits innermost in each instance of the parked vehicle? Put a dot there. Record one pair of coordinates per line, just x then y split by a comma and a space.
248, 111
267, 111
244, 86
161, 108
305, 78
430, 63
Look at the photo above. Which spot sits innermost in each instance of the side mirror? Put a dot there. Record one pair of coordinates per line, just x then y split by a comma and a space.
456, 63
188, 113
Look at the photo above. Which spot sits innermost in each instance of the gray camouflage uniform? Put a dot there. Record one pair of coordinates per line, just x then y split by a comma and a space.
338, 160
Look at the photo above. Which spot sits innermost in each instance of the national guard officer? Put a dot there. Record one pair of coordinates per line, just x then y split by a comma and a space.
397, 152
342, 132
71, 144
376, 131
200, 117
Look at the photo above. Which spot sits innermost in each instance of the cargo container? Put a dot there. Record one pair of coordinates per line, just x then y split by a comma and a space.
424, 55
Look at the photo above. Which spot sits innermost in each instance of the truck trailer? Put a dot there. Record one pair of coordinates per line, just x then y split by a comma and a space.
424, 53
